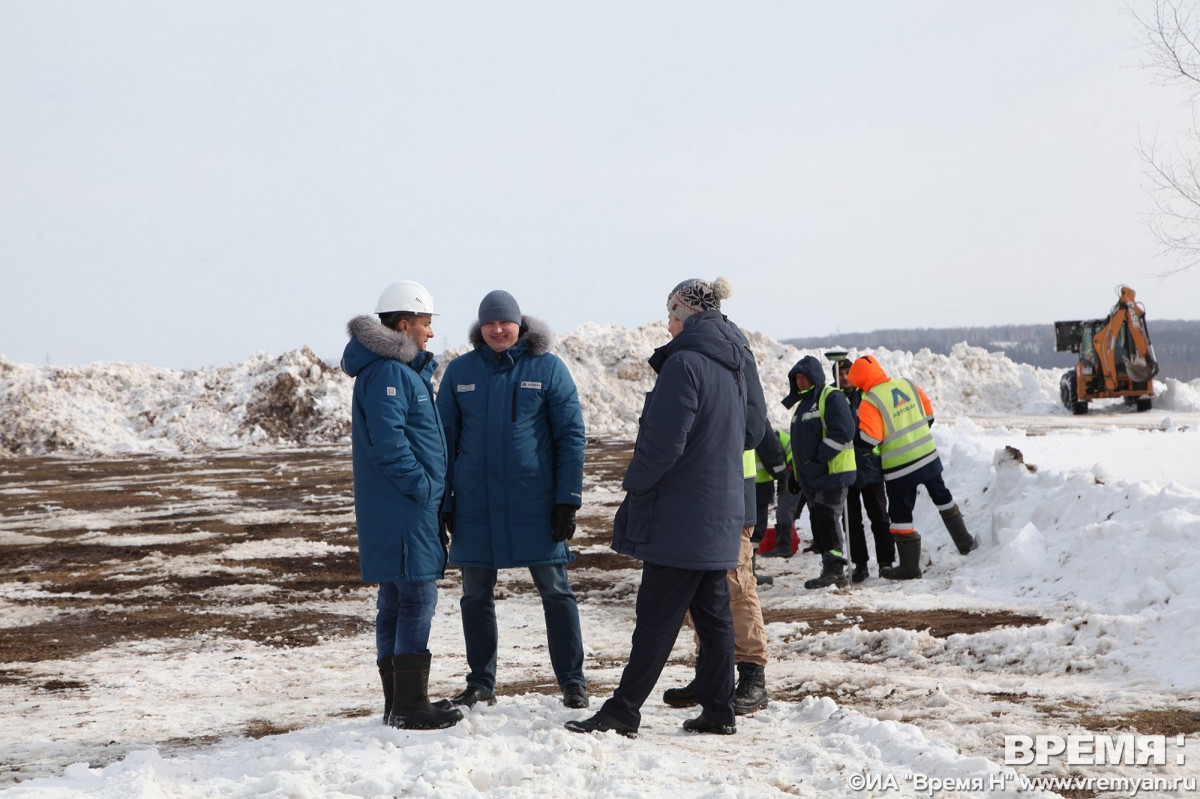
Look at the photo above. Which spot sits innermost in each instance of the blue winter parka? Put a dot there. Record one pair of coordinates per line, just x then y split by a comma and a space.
399, 455
685, 502
516, 444
814, 444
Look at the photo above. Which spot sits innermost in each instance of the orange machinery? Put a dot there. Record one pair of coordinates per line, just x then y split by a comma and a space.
1116, 358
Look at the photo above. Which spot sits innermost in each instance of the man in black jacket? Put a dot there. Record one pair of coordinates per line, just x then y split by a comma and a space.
867, 491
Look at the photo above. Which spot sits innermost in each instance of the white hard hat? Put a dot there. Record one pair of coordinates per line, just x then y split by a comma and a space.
407, 295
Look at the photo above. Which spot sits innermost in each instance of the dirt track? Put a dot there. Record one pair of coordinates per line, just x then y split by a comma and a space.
101, 586
85, 542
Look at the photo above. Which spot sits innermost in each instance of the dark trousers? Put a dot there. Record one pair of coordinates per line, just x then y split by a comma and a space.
763, 494
665, 595
825, 514
875, 499
902, 494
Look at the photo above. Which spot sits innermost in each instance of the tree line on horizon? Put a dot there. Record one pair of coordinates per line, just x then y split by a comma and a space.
1176, 344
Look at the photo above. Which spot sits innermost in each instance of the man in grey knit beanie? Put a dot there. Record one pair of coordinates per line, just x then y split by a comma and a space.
515, 444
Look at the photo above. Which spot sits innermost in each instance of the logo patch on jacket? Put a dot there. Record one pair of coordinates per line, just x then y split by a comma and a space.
899, 398
465, 387
531, 384
391, 391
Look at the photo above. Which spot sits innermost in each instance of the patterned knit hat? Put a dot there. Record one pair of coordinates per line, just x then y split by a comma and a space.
695, 295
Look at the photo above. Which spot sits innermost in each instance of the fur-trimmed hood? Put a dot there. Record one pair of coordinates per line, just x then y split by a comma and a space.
535, 335
378, 342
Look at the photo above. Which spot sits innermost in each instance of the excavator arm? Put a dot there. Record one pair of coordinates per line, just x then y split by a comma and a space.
1124, 337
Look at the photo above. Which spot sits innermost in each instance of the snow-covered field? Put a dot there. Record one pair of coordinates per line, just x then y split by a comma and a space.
1091, 530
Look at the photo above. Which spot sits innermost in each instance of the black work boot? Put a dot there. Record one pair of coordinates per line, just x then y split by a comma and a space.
750, 695
575, 695
410, 697
385, 675
706, 726
472, 695
601, 723
760, 579
831, 574
681, 697
908, 549
860, 573
783, 546
953, 519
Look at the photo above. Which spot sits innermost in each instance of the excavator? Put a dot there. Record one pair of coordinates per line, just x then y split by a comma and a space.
1116, 358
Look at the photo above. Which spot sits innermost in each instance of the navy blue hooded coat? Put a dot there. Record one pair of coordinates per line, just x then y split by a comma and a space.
399, 455
685, 502
514, 430
811, 451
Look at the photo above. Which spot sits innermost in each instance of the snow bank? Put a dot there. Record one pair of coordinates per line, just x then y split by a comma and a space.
297, 399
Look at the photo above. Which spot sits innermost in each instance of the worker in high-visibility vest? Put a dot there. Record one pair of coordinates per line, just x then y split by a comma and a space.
770, 465
788, 503
867, 492
895, 414
823, 454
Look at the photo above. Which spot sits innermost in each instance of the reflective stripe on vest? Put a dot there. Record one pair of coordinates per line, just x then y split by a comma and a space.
844, 460
907, 443
748, 463
785, 441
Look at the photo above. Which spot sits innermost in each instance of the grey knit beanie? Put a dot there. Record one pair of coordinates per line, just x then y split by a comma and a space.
695, 295
499, 306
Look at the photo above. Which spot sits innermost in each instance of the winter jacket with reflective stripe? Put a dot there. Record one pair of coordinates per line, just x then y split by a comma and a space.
516, 444
907, 444
685, 505
770, 461
399, 455
896, 415
866, 455
822, 431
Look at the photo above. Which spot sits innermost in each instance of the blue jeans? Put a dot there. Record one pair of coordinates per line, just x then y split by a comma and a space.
404, 618
563, 635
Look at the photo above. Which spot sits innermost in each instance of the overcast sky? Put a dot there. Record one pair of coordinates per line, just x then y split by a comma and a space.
189, 183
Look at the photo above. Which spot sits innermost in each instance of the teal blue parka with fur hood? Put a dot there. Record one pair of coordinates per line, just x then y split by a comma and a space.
399, 455
515, 437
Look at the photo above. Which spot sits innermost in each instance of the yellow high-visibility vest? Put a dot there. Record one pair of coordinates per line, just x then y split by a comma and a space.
907, 442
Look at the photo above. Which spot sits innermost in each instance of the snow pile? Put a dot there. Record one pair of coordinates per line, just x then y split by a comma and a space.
297, 399
120, 408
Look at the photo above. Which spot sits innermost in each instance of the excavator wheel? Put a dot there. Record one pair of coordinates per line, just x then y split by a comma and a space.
1145, 403
1070, 400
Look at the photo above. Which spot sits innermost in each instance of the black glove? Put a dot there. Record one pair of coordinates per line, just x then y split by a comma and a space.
446, 528
562, 522
793, 485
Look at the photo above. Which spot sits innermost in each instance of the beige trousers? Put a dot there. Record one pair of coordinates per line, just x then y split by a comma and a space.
749, 632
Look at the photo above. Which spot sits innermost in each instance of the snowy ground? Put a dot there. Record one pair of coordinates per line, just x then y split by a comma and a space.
1086, 589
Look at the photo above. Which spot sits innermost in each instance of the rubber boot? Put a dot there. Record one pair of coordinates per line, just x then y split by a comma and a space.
385, 675
750, 694
908, 549
410, 696
953, 519
759, 579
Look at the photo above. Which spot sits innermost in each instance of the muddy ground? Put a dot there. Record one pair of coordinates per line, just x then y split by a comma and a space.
91, 594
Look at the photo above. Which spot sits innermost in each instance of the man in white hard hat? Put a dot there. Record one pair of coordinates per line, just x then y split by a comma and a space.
399, 479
